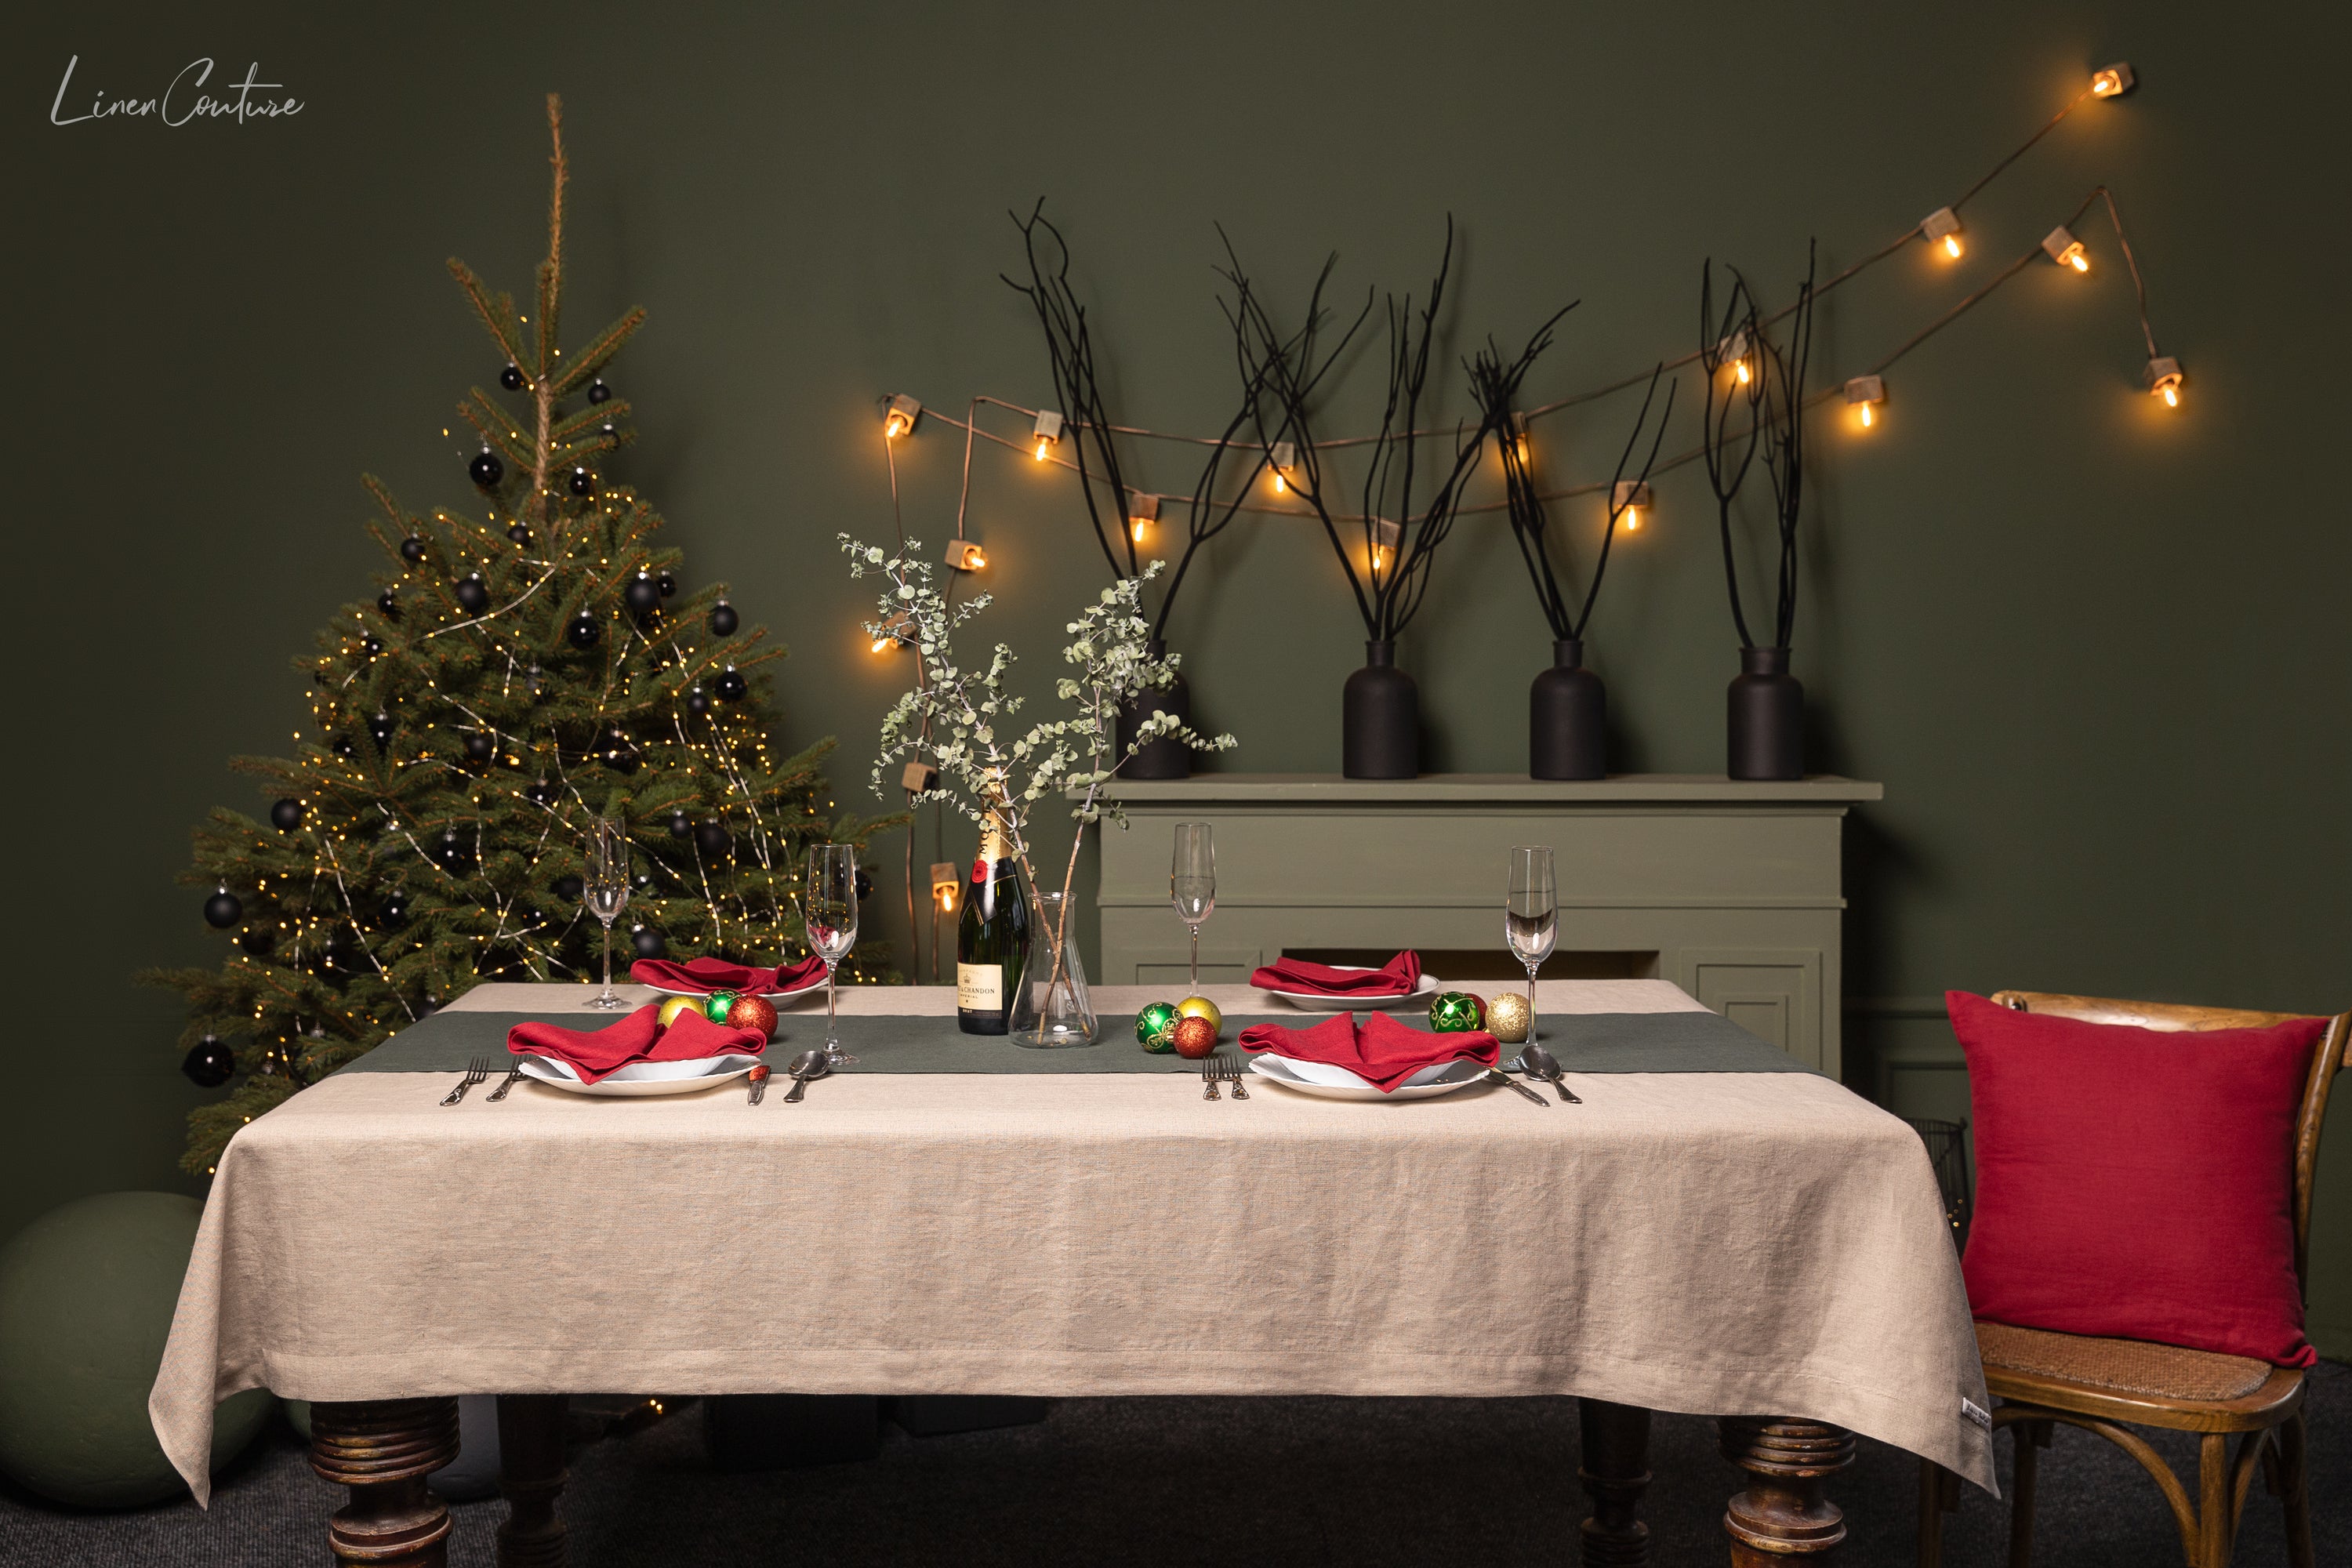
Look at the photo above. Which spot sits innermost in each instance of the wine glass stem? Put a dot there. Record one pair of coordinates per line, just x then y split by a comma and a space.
832, 1028
1196, 959
608, 996
1531, 998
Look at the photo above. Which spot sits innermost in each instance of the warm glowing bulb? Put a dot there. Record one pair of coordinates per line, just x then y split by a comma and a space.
1739, 369
1952, 246
894, 427
1135, 526
1277, 482
1041, 450
2172, 397
881, 645
1865, 416
1632, 520
2079, 262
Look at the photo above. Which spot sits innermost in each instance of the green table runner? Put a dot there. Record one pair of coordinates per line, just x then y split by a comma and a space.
1584, 1042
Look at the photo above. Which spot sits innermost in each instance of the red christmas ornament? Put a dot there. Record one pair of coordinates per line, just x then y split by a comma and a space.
1195, 1038
754, 1012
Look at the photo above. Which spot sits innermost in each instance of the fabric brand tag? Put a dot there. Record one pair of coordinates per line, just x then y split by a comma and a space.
1975, 1414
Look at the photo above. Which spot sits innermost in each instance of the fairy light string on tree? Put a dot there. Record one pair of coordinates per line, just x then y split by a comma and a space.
517, 677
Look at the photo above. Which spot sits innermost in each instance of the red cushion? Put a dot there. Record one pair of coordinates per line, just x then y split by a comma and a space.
2133, 1183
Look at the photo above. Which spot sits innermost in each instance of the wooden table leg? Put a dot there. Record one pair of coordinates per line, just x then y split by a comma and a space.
1615, 1472
1782, 1514
531, 1477
382, 1449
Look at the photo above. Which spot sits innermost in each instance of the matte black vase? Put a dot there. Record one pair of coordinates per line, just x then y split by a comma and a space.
1766, 713
1379, 718
1568, 717
1167, 757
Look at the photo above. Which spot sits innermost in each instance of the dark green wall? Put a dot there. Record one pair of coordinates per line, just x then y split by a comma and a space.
2095, 652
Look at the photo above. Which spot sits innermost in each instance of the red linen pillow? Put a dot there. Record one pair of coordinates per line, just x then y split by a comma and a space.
2137, 1183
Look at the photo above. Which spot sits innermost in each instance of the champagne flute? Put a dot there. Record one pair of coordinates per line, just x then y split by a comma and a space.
605, 892
829, 913
1531, 915
1193, 884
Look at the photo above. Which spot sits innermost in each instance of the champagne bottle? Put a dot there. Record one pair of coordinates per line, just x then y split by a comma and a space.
991, 938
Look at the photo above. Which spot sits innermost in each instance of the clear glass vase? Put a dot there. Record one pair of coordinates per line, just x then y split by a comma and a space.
1051, 1007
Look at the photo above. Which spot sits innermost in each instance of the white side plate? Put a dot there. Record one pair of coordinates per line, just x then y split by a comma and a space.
640, 1079
1315, 1002
1339, 1083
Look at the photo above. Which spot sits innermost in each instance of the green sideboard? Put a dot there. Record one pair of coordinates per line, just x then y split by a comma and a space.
1730, 890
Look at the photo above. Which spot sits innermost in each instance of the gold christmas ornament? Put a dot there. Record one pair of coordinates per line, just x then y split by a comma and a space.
1508, 1016
673, 1005
1202, 1007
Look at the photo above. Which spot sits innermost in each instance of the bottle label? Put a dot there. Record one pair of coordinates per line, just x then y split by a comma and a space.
980, 988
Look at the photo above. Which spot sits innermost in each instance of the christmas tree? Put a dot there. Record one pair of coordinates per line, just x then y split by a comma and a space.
517, 676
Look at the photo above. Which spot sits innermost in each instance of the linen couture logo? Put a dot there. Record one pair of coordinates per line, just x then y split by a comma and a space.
183, 101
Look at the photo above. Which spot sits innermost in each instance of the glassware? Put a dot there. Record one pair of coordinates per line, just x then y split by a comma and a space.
1193, 884
1531, 915
829, 914
605, 891
1051, 1007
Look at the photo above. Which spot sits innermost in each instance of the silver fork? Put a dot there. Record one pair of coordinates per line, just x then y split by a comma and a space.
1235, 1071
1209, 1078
476, 1071
514, 1075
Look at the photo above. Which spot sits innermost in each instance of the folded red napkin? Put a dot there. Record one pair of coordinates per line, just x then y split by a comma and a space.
1397, 977
594, 1054
1382, 1051
717, 975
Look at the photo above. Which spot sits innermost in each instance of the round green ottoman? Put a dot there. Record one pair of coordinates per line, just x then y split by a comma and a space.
86, 1300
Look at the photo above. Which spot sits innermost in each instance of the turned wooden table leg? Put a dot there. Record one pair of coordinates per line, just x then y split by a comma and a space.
1615, 1471
1783, 1514
531, 1477
382, 1449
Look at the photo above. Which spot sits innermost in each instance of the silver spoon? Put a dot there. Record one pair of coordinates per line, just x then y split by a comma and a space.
1539, 1063
804, 1067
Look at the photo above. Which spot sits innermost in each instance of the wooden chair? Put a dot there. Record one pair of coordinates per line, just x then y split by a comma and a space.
2106, 1385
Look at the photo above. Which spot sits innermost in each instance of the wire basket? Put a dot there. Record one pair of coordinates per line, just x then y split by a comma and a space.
1947, 1150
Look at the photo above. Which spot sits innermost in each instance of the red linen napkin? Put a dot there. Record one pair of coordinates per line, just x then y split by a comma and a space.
596, 1054
1383, 1051
707, 975
1397, 977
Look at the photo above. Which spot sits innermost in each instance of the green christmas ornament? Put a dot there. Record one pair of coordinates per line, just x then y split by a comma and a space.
719, 1004
1155, 1027
1456, 1012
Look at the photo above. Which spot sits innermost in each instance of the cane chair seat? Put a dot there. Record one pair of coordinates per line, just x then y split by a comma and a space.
2024, 1363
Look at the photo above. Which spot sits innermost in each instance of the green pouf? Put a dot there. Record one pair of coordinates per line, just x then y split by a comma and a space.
86, 1300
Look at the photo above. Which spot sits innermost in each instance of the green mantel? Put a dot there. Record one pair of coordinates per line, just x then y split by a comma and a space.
1730, 889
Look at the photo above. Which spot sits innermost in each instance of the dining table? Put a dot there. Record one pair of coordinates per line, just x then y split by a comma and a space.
1712, 1229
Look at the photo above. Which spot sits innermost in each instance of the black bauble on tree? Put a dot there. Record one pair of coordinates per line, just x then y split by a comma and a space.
343, 747
667, 582
451, 851
712, 840
209, 1063
258, 940
583, 482
224, 909
511, 377
647, 942
723, 619
380, 729
373, 645
732, 687
387, 603
519, 534
681, 824
286, 815
486, 470
540, 793
585, 630
568, 888
643, 594
698, 703
412, 549
480, 747
865, 884
473, 594
597, 391
395, 909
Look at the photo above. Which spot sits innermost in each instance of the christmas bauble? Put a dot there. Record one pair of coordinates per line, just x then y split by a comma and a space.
480, 748
395, 908
712, 840
486, 470
209, 1064
568, 889
451, 850
258, 940
723, 619
698, 703
1194, 1037
597, 391
511, 377
643, 594
380, 729
1508, 1016
387, 605
719, 1004
343, 747
519, 534
411, 550
753, 1013
668, 584
583, 631
1456, 1012
373, 645
223, 909
681, 824
1202, 1007
582, 482
647, 942
731, 685
671, 1006
540, 793
610, 432
286, 815
1153, 1026
473, 594
865, 884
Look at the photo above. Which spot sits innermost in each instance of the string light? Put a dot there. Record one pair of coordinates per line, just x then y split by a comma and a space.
1519, 435
1629, 501
1388, 537
2164, 379
1142, 511
2065, 250
946, 881
966, 555
899, 418
1281, 458
1048, 432
1865, 393
2111, 81
1942, 228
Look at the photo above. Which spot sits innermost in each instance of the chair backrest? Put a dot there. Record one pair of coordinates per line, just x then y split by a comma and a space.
2325, 1063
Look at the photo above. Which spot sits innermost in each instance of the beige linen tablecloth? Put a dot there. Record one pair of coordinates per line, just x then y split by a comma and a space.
1715, 1243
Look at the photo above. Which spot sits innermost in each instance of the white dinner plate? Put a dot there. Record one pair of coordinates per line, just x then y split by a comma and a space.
779, 997
641, 1078
1315, 1002
1339, 1083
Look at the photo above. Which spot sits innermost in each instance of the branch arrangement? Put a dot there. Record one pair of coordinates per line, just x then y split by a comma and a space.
1755, 407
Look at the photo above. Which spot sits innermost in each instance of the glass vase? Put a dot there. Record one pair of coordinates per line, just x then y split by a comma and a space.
1051, 1008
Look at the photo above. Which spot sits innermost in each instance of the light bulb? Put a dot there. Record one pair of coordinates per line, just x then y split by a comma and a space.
1741, 370
2078, 262
881, 645
2061, 245
2172, 397
2164, 379
1952, 246
899, 418
1629, 501
1632, 520
2112, 81
1865, 416
1865, 393
1277, 482
1942, 228
1048, 432
1278, 460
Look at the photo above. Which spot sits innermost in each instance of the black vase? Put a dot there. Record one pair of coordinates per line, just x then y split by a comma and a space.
1568, 717
1767, 712
1167, 757
1379, 718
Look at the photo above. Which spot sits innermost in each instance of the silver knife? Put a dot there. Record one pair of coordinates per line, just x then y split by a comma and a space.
1508, 1083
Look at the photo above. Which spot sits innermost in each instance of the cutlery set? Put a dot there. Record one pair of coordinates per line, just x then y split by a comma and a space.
1223, 1069
807, 1066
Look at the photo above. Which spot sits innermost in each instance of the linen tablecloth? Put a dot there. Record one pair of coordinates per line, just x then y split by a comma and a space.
1707, 1243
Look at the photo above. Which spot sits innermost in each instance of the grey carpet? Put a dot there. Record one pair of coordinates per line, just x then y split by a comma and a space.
1150, 1481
